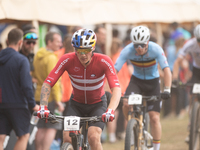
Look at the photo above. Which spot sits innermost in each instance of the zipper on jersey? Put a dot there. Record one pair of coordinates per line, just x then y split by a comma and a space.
85, 85
143, 68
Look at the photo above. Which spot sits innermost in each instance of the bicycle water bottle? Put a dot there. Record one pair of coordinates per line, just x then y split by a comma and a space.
34, 120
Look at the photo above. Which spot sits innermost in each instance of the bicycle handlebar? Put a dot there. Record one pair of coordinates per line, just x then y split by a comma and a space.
53, 118
147, 98
182, 85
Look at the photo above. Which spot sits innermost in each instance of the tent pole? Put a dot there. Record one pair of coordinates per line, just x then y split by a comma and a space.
108, 38
35, 23
159, 33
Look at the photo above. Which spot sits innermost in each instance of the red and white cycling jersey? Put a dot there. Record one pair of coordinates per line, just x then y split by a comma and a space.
88, 82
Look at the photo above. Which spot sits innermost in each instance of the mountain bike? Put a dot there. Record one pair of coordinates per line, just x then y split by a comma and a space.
194, 128
72, 124
138, 136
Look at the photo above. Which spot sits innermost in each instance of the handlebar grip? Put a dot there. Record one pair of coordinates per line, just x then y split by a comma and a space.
35, 113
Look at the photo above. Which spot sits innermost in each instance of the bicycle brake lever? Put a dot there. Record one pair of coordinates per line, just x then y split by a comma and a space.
153, 98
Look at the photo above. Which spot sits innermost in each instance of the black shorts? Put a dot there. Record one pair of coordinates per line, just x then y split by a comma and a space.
17, 119
146, 88
195, 75
87, 110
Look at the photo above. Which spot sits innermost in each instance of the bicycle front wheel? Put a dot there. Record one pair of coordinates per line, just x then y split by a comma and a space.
67, 146
194, 143
131, 135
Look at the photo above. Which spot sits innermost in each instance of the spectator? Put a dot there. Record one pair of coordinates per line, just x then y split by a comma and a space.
178, 31
30, 39
44, 61
16, 93
101, 36
65, 80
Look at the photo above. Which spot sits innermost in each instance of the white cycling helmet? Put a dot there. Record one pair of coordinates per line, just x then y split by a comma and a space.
140, 35
197, 31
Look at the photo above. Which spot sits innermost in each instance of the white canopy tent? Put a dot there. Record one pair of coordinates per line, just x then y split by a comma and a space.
91, 12
84, 12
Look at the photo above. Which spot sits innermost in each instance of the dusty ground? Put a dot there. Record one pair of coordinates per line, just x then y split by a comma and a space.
173, 136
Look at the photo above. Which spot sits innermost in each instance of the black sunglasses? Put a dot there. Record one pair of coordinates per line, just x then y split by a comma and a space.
198, 40
29, 42
141, 45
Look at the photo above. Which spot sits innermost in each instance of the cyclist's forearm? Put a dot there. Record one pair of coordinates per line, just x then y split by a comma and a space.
45, 92
114, 101
176, 69
167, 77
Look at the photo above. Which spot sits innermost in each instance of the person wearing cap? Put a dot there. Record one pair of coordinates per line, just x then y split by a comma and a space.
29, 41
145, 56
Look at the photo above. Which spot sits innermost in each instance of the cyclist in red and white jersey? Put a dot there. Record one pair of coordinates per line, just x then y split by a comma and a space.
87, 71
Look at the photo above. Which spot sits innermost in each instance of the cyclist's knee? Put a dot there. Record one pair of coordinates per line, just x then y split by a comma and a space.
154, 117
24, 137
93, 138
94, 135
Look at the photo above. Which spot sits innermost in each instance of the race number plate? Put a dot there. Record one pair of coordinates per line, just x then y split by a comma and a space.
71, 123
196, 88
135, 99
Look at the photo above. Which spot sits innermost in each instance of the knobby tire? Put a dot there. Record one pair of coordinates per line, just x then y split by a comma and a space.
67, 146
194, 142
132, 128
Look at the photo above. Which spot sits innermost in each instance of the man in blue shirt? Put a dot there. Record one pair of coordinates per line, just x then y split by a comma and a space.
145, 56
16, 93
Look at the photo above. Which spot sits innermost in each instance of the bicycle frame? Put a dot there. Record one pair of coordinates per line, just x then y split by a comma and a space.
79, 139
138, 114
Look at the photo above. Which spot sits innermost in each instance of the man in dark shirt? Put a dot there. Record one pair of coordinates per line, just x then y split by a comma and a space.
29, 41
16, 93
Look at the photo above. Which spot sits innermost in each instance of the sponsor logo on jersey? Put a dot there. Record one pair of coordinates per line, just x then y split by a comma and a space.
93, 75
61, 64
76, 69
77, 76
109, 66
49, 81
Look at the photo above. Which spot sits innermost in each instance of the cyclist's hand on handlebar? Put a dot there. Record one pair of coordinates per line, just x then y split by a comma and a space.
166, 94
43, 112
175, 82
108, 115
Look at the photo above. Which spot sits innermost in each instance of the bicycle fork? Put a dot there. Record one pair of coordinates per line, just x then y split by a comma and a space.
141, 143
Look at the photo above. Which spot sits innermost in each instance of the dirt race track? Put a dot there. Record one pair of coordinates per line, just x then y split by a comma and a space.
174, 132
